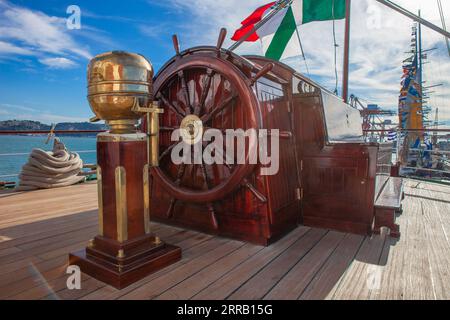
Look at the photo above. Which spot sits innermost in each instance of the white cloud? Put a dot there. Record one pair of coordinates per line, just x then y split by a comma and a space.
206, 17
153, 31
379, 40
21, 112
33, 33
58, 63
9, 48
10, 106
55, 118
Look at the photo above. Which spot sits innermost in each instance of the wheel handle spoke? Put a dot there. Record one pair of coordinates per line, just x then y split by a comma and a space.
180, 113
205, 90
209, 116
185, 89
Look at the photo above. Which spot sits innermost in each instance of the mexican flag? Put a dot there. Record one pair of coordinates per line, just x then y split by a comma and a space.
277, 33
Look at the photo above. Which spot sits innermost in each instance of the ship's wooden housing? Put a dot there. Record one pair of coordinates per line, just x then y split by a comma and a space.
327, 173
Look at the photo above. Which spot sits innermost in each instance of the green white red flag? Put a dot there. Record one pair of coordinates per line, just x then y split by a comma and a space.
276, 34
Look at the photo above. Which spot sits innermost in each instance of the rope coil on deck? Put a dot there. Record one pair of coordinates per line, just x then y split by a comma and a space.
45, 170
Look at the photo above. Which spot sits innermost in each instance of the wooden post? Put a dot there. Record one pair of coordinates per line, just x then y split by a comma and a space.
346, 51
125, 250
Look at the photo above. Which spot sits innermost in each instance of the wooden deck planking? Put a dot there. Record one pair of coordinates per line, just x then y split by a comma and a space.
353, 283
438, 245
159, 285
419, 284
54, 274
325, 280
182, 238
189, 287
192, 248
229, 283
36, 237
297, 279
259, 285
25, 207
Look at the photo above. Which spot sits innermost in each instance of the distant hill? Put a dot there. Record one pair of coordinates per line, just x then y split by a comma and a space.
19, 125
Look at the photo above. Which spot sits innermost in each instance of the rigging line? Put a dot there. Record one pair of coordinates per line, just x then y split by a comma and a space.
441, 12
301, 48
335, 51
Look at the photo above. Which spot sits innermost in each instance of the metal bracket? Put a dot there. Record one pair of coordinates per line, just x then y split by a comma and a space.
153, 109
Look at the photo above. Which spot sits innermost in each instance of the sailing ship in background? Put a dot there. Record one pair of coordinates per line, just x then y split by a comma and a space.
275, 24
418, 153
422, 152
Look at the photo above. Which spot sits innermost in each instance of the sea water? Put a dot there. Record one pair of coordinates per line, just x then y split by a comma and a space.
14, 151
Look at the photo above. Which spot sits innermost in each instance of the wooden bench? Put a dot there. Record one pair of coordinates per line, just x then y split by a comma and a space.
389, 195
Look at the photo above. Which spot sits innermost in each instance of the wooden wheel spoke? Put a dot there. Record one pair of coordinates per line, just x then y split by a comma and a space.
220, 153
211, 211
245, 183
229, 166
173, 201
167, 128
180, 174
209, 205
180, 113
185, 89
219, 99
226, 103
166, 152
205, 90
205, 176
254, 190
169, 213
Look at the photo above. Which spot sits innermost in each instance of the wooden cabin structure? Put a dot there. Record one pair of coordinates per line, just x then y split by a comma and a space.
327, 173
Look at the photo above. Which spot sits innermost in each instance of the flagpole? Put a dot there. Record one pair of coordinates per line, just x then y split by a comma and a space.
301, 49
279, 5
346, 51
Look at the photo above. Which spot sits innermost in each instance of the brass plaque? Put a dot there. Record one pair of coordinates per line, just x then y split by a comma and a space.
121, 204
146, 190
100, 200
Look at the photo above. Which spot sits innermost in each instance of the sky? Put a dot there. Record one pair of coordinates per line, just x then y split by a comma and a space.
43, 62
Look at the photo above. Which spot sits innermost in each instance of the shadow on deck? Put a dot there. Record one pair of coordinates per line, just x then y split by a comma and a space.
38, 230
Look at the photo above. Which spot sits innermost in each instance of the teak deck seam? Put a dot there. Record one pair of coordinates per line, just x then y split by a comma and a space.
35, 240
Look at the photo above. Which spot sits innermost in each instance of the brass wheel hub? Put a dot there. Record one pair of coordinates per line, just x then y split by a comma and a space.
191, 129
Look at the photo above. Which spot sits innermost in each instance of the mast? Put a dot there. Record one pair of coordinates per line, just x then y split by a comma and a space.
436, 127
420, 65
346, 51
419, 43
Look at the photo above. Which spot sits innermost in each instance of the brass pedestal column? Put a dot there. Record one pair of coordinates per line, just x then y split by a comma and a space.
125, 250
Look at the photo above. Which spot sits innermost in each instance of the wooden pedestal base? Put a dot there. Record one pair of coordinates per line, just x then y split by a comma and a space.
130, 265
125, 249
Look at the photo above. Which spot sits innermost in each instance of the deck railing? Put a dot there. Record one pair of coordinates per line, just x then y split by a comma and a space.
419, 167
396, 150
21, 132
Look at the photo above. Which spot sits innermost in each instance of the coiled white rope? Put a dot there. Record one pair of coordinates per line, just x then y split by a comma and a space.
45, 170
